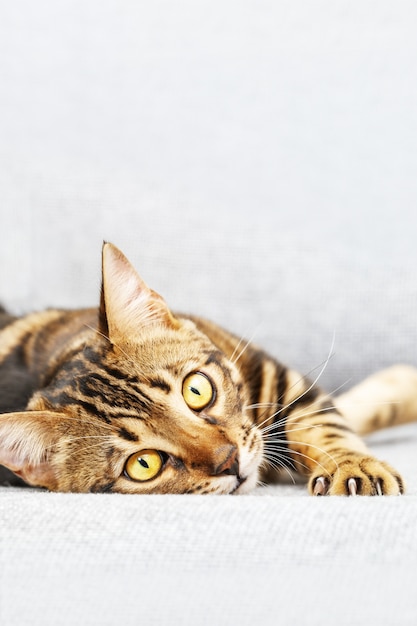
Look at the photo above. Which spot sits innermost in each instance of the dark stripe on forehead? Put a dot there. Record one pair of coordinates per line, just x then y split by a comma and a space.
119, 414
90, 407
112, 371
160, 384
218, 358
97, 386
126, 434
214, 356
118, 374
60, 398
99, 396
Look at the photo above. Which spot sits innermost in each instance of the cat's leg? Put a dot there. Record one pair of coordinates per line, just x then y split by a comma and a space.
388, 398
324, 445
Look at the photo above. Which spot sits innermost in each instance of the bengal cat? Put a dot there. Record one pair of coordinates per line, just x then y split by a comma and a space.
131, 398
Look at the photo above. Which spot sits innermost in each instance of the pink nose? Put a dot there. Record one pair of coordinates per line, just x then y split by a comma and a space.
228, 461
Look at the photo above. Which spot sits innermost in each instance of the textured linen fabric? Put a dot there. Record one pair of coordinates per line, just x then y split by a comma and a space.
256, 161
108, 559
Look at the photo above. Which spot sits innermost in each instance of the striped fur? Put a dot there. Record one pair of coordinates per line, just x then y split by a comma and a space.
83, 391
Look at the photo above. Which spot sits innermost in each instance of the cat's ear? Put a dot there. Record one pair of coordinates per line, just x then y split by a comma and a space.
127, 303
27, 441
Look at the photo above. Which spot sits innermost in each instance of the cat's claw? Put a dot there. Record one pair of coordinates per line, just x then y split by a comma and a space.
352, 487
321, 486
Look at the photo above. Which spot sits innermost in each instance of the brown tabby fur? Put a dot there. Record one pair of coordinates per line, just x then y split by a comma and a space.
81, 391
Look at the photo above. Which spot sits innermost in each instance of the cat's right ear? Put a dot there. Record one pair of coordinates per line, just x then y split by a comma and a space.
127, 303
28, 443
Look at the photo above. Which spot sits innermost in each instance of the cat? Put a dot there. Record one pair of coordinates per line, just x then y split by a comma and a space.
133, 398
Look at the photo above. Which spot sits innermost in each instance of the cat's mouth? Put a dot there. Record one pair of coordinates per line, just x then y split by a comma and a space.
247, 477
240, 481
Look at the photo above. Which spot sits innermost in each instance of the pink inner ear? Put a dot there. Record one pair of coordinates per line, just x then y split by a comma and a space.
130, 304
26, 440
11, 459
41, 475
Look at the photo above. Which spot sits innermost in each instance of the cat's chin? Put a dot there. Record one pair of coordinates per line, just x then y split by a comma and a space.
248, 479
245, 485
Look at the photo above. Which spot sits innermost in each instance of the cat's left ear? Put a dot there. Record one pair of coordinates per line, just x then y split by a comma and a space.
27, 443
127, 303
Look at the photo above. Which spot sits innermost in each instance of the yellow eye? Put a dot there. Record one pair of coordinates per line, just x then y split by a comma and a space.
197, 391
144, 465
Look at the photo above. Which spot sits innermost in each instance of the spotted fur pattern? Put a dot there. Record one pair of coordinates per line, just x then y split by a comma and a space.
82, 391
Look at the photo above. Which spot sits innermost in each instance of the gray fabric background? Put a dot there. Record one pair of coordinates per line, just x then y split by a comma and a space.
257, 163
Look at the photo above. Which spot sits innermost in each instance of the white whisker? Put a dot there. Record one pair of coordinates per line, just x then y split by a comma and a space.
305, 456
234, 359
313, 384
277, 463
271, 433
274, 457
278, 403
236, 349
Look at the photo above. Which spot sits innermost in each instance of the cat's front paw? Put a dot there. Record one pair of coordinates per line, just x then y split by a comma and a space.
360, 475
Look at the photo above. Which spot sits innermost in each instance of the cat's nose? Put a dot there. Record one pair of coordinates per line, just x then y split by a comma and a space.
229, 463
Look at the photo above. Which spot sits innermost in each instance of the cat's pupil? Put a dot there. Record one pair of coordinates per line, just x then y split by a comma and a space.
143, 463
194, 390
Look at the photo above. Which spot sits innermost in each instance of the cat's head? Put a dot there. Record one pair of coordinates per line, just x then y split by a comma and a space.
143, 403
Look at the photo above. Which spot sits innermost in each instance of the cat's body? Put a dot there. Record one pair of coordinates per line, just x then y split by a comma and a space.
134, 399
